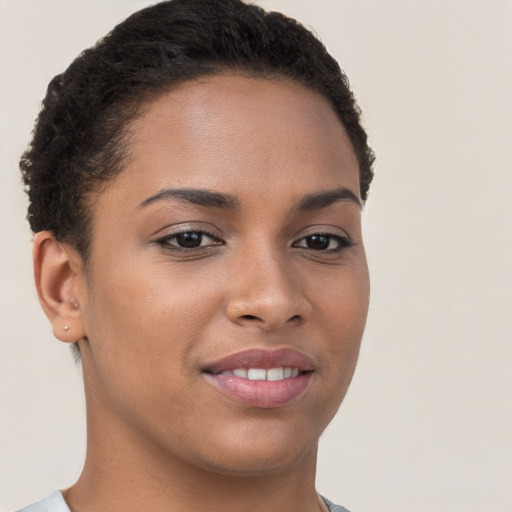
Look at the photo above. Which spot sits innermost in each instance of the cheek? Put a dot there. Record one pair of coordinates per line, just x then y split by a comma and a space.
139, 303
145, 320
141, 329
342, 317
343, 300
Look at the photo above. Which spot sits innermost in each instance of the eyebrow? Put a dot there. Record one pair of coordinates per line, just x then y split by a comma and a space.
319, 200
210, 199
200, 197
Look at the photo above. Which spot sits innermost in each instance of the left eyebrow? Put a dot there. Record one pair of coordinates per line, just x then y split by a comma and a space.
319, 200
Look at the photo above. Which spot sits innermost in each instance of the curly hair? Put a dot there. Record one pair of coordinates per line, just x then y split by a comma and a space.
81, 136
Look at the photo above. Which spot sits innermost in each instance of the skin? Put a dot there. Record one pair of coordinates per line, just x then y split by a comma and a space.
150, 317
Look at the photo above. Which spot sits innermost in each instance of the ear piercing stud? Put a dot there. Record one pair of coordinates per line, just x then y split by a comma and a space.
75, 304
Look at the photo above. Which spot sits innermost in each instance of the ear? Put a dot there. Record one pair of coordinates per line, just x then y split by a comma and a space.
58, 273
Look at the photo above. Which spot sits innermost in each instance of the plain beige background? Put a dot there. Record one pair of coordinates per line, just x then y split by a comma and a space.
427, 423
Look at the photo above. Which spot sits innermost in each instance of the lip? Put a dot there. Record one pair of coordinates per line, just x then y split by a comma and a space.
261, 394
262, 358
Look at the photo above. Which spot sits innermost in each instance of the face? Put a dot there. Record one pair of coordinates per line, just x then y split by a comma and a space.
227, 288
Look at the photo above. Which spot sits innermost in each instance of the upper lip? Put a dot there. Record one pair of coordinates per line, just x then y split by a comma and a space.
262, 358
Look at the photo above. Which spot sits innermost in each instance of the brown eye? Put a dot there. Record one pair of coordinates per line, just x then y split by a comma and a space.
317, 242
324, 242
189, 240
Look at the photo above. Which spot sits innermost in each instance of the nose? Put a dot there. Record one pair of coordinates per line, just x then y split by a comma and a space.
265, 293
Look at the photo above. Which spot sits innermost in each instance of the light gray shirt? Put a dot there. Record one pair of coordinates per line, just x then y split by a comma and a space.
55, 503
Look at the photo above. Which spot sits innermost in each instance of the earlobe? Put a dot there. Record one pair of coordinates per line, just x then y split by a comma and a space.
57, 274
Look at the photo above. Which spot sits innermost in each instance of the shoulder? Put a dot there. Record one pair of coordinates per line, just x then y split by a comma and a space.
334, 508
52, 503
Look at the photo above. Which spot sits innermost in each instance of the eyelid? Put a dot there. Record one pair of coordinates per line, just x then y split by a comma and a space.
322, 229
171, 232
336, 232
185, 227
166, 239
344, 242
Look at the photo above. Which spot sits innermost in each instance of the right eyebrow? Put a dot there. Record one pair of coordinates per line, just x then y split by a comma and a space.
200, 197
323, 199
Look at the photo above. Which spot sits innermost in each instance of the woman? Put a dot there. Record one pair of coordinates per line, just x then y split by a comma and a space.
195, 183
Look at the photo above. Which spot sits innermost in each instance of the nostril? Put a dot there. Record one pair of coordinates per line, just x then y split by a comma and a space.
250, 317
294, 318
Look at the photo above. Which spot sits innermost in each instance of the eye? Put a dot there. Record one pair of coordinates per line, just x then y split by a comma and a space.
324, 242
189, 240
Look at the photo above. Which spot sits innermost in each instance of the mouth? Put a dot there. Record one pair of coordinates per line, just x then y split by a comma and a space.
262, 378
273, 374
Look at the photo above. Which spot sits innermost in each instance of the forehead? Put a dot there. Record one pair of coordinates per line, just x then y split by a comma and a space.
239, 135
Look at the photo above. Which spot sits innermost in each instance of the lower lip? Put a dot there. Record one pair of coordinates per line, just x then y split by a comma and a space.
264, 394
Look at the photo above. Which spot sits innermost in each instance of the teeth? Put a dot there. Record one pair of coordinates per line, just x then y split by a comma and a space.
262, 374
257, 374
275, 374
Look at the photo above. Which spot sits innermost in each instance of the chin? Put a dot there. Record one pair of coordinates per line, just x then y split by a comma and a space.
260, 451
259, 464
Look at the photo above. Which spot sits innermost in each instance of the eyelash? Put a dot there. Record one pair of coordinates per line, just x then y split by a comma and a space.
343, 242
165, 241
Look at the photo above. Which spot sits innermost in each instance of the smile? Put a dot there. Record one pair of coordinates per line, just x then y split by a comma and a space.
262, 378
263, 374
